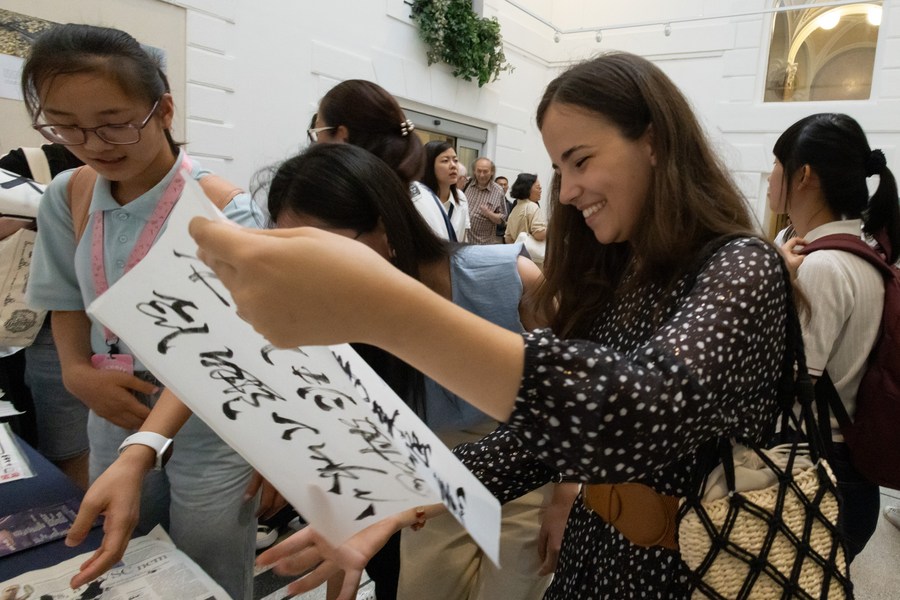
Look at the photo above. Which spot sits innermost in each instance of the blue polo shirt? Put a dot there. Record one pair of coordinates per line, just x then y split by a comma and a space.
57, 282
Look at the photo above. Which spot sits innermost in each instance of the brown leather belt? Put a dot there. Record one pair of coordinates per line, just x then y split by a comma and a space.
640, 513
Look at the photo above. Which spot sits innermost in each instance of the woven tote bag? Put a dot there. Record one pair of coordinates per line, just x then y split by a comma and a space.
763, 521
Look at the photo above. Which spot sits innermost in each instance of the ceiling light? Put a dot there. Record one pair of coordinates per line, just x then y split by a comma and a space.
668, 29
556, 37
599, 36
873, 15
829, 20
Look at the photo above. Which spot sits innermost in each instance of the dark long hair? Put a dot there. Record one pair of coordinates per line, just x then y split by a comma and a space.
691, 201
374, 121
432, 151
347, 187
72, 48
835, 147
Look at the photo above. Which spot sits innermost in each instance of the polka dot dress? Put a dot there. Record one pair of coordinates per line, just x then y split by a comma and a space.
634, 403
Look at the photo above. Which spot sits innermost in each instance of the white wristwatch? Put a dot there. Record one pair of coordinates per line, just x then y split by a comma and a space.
160, 444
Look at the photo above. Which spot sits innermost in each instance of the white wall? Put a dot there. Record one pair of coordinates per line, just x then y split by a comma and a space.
256, 69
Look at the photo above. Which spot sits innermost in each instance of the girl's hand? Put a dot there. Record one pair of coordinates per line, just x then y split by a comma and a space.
553, 525
791, 257
306, 550
270, 500
108, 393
301, 286
117, 495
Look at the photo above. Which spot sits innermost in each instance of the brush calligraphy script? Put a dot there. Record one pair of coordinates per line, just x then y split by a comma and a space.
316, 422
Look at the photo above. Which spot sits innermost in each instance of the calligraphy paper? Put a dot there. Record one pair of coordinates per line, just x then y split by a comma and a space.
316, 422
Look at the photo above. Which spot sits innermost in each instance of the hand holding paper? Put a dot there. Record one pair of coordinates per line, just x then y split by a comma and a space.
315, 421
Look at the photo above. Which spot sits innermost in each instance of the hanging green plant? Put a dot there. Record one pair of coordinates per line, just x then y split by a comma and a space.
457, 36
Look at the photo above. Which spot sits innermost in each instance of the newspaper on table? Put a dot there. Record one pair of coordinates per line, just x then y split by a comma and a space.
316, 422
151, 569
13, 465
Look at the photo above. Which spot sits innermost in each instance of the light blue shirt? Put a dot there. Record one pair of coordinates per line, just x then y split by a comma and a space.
59, 282
485, 281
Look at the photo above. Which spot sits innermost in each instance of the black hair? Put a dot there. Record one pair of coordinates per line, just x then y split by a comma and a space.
521, 189
347, 187
374, 121
74, 48
432, 151
834, 145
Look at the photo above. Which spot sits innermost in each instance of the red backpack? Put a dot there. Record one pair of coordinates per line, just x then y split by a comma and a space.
873, 436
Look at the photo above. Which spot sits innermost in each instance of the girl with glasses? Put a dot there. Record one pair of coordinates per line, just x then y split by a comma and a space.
99, 93
663, 335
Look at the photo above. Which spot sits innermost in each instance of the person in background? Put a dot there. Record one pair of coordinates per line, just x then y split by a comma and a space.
60, 418
98, 92
462, 178
487, 204
819, 178
364, 114
441, 173
503, 182
623, 387
346, 190
527, 215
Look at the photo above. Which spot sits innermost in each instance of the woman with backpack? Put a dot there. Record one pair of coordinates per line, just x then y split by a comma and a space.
819, 178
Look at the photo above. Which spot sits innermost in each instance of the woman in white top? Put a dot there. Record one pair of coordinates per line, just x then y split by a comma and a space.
819, 179
441, 172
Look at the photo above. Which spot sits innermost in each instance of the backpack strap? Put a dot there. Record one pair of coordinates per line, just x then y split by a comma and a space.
219, 190
854, 245
38, 164
80, 190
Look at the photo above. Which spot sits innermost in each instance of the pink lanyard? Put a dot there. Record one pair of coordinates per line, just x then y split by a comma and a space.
145, 240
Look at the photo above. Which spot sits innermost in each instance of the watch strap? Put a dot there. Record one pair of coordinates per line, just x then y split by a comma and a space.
159, 443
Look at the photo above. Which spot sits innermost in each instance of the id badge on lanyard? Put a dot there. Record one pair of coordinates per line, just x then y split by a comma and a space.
113, 361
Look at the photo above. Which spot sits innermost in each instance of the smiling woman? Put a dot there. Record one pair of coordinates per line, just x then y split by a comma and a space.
623, 387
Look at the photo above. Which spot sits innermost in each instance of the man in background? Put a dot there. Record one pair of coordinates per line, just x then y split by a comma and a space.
487, 204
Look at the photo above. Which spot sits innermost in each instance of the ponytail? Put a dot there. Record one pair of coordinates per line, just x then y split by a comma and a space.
881, 219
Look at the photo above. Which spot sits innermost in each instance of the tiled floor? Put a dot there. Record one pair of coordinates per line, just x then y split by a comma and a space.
875, 572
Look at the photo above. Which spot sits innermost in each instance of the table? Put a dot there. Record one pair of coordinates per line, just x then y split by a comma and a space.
48, 486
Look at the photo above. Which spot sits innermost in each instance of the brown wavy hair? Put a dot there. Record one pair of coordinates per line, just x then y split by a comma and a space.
692, 198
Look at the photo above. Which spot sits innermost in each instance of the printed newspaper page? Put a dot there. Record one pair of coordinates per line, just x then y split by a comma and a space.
152, 569
13, 465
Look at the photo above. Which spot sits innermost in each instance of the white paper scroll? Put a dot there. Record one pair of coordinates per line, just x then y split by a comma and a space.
316, 422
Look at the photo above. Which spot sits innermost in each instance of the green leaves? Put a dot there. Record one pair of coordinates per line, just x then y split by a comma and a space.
457, 36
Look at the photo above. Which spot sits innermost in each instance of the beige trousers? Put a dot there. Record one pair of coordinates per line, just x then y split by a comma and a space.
441, 561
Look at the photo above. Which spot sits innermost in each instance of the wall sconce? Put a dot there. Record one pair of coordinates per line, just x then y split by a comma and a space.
668, 29
556, 37
599, 36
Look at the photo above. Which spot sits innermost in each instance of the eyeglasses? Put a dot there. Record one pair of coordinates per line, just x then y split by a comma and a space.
313, 134
72, 135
